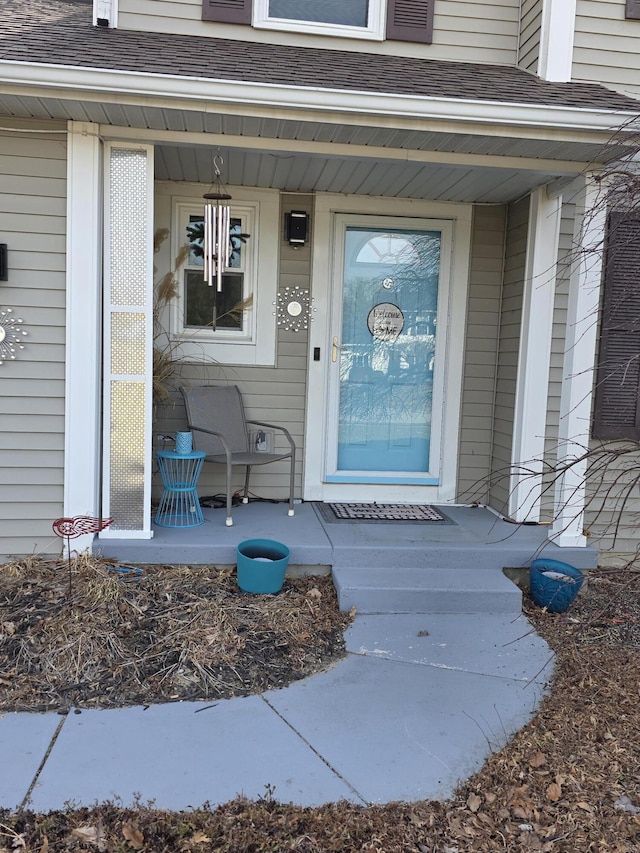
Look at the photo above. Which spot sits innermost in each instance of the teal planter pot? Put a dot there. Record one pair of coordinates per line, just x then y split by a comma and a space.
554, 584
262, 565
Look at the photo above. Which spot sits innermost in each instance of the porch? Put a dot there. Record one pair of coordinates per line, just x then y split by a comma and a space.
462, 380
455, 566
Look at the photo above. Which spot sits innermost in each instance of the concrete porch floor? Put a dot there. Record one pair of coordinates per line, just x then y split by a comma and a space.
477, 536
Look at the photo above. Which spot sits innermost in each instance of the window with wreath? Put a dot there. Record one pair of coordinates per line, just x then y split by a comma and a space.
235, 325
204, 307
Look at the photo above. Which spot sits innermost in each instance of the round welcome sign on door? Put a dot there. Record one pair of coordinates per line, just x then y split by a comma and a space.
385, 321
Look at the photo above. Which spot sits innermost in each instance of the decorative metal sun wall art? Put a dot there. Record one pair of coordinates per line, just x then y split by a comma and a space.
11, 335
293, 309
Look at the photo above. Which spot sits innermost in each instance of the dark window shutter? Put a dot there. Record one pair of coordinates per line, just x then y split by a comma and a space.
632, 11
410, 20
617, 403
227, 11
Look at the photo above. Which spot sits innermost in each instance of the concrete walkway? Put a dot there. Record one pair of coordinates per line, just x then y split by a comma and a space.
417, 705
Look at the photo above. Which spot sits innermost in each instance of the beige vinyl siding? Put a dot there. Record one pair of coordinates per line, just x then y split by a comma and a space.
510, 318
273, 394
565, 255
529, 35
612, 516
606, 46
463, 30
33, 224
481, 350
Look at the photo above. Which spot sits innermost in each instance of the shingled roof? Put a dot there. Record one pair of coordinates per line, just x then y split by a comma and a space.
60, 32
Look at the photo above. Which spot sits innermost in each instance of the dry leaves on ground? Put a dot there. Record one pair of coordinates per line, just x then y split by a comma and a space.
170, 634
568, 782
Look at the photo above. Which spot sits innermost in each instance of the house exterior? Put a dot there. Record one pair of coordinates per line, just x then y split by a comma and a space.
418, 179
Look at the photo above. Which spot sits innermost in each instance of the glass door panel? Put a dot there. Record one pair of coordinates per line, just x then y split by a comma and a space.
387, 350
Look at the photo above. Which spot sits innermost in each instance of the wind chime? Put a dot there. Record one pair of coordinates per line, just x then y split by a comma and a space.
217, 226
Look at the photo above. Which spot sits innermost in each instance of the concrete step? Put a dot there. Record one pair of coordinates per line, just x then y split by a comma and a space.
455, 556
420, 590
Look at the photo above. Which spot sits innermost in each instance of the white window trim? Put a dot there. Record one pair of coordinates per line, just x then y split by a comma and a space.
374, 31
257, 345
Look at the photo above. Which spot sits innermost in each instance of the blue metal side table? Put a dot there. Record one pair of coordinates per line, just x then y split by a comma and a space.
179, 504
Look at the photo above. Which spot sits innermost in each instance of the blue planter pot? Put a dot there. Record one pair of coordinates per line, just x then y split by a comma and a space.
547, 590
262, 564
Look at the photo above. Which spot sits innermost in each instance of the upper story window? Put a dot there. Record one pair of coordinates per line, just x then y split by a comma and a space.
400, 20
354, 18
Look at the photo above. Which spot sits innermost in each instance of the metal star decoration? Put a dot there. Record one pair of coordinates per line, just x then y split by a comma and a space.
294, 309
10, 335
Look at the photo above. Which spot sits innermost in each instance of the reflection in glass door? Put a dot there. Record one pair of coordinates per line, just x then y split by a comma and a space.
387, 350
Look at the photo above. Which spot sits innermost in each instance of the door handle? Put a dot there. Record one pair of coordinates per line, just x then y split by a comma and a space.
334, 350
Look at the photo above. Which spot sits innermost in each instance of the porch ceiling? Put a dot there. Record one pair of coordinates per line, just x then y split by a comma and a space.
304, 154
317, 173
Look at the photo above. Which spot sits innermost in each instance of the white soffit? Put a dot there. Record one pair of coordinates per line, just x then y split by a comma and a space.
579, 147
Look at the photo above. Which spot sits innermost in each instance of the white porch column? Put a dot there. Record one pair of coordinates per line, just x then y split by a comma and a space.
557, 34
579, 364
128, 340
532, 383
83, 338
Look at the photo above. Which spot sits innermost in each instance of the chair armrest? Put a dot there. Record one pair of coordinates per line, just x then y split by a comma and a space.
275, 426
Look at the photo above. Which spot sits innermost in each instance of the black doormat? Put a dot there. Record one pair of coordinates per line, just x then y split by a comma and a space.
357, 513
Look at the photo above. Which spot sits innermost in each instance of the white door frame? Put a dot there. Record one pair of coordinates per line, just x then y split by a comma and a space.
326, 291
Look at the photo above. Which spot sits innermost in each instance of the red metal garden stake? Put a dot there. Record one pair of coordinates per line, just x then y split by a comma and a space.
71, 528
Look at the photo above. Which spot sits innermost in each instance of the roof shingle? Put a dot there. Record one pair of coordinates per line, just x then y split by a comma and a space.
60, 32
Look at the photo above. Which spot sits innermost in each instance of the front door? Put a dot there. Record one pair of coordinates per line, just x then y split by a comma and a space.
386, 358
386, 349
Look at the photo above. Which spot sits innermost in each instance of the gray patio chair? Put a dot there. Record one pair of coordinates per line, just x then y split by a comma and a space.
217, 420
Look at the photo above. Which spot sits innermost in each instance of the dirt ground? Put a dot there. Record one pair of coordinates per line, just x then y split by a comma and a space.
168, 634
567, 782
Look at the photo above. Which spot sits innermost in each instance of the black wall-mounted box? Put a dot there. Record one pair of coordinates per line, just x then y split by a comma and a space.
296, 227
4, 262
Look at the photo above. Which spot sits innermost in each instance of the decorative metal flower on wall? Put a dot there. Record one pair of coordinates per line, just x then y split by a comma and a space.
11, 335
293, 309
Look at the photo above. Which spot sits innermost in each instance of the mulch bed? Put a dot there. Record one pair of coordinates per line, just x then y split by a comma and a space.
568, 782
170, 634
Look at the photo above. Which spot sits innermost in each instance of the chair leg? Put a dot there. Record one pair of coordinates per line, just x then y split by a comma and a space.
245, 499
292, 475
229, 520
